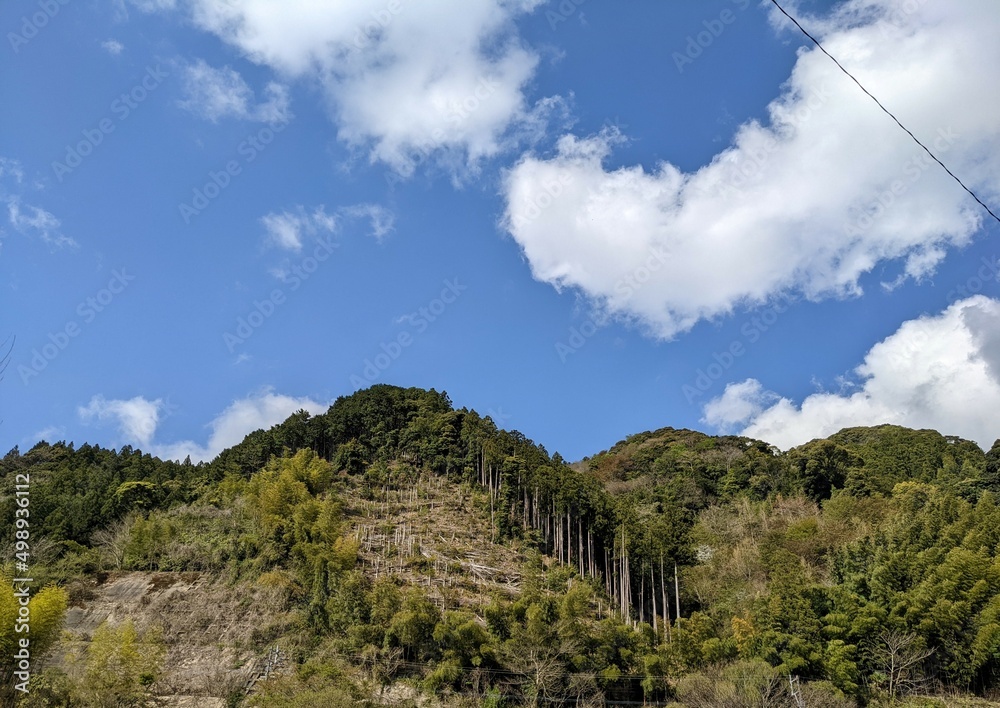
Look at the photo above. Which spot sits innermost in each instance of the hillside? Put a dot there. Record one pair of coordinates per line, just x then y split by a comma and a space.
396, 550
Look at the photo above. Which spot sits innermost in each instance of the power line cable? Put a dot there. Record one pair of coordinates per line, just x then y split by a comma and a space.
885, 110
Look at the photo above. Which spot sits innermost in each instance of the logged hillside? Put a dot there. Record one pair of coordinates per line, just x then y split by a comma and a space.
398, 551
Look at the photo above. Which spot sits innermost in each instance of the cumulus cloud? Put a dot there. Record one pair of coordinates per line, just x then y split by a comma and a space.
242, 417
113, 46
739, 403
940, 372
215, 94
138, 418
404, 81
287, 228
805, 203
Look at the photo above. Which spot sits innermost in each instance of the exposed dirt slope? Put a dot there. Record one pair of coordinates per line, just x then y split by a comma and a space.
215, 633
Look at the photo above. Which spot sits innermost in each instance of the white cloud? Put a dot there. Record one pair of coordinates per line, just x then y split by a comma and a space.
50, 434
26, 219
276, 109
138, 419
222, 93
11, 168
403, 80
242, 417
287, 229
36, 222
113, 46
807, 203
154, 5
940, 372
382, 220
739, 403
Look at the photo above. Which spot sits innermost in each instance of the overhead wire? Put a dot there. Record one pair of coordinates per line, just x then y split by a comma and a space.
886, 110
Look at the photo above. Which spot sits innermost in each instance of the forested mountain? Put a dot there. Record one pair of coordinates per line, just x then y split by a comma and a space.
415, 552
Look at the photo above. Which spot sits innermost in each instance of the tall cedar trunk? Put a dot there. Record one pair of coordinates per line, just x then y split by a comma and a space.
607, 573
677, 593
628, 579
590, 551
652, 592
569, 539
621, 581
493, 524
642, 596
666, 604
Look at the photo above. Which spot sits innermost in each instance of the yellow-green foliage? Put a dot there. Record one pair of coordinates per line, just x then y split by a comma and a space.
751, 683
287, 481
120, 665
297, 515
47, 608
287, 692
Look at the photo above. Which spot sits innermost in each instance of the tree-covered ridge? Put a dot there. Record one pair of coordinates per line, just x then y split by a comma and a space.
673, 564
888, 454
75, 491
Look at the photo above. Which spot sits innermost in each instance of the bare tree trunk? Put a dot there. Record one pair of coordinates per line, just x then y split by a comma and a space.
621, 576
590, 552
652, 592
607, 573
677, 592
642, 596
666, 604
524, 510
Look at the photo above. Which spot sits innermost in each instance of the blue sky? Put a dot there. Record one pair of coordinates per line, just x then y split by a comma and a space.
584, 219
